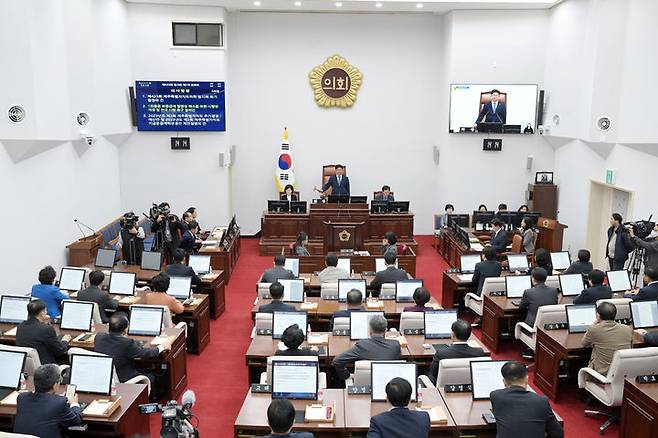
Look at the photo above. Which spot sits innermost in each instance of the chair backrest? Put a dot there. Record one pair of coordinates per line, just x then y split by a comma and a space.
271, 359
630, 363
362, 371
437, 221
32, 361
456, 371
493, 284
264, 289
622, 304
328, 290
387, 291
292, 248
263, 321
412, 321
402, 248
341, 323
517, 243
551, 314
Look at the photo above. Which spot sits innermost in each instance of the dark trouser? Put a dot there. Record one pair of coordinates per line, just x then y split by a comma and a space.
616, 265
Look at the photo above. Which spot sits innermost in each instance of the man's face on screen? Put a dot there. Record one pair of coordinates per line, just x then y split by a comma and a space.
494, 97
339, 171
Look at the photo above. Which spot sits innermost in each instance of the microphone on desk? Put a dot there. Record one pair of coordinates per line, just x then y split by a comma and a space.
78, 223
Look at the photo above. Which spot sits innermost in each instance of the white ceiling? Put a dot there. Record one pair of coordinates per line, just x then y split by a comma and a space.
360, 6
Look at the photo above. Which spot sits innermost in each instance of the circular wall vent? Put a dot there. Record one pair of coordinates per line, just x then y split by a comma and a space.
16, 114
603, 123
83, 119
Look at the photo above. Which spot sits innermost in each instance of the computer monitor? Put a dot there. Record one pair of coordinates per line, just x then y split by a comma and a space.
180, 287
71, 279
77, 315
91, 374
292, 265
460, 219
145, 320
293, 290
468, 262
345, 263
512, 218
295, 379
619, 281
378, 207
13, 309
571, 284
105, 258
515, 285
438, 323
346, 285
122, 283
486, 377
580, 317
398, 206
151, 260
283, 320
298, 207
381, 373
11, 369
358, 199
404, 290
200, 263
645, 314
482, 217
339, 199
560, 260
359, 324
518, 262
380, 264
278, 206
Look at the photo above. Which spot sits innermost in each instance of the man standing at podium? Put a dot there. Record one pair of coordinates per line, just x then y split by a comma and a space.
338, 183
494, 111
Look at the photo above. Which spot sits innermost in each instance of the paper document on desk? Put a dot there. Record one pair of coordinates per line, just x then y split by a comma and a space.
476, 247
160, 340
465, 277
436, 413
11, 399
11, 332
129, 300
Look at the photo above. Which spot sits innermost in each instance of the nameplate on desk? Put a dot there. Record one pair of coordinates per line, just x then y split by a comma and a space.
264, 332
625, 321
387, 298
330, 297
354, 390
257, 388
412, 331
453, 271
497, 293
556, 326
341, 332
466, 387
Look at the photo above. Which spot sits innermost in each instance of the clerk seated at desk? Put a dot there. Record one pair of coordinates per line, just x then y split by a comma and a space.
421, 298
332, 273
35, 332
582, 265
49, 293
292, 338
189, 240
289, 194
159, 297
399, 421
650, 291
460, 334
596, 290
276, 293
385, 195
278, 272
605, 337
44, 413
354, 304
178, 269
389, 275
498, 236
95, 294
280, 418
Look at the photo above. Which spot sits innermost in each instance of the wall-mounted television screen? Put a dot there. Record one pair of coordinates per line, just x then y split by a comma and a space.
180, 106
493, 108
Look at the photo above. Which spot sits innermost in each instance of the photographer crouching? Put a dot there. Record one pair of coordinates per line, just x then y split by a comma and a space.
647, 240
168, 230
131, 240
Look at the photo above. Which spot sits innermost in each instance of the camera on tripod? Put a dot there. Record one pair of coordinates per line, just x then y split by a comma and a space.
161, 209
175, 418
128, 221
641, 229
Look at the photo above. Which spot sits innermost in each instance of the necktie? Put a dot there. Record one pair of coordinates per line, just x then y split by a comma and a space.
494, 107
339, 178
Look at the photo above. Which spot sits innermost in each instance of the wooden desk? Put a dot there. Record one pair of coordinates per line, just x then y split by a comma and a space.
451, 248
639, 411
125, 422
454, 289
252, 419
312, 283
197, 318
423, 356
223, 259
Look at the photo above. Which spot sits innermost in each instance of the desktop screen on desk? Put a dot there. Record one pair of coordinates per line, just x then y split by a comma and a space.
438, 323
151, 260
293, 290
92, 374
468, 262
122, 283
619, 281
344, 286
404, 289
105, 258
180, 287
360, 324
383, 372
11, 369
295, 379
200, 263
486, 377
345, 264
293, 265
645, 314
77, 315
560, 260
580, 317
517, 262
380, 264
571, 284
145, 320
515, 285
282, 320
13, 309
71, 279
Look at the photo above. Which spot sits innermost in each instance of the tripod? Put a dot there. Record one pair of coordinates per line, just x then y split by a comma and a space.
638, 258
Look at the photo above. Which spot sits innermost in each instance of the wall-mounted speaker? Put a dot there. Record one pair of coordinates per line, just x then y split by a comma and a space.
133, 105
528, 162
603, 123
16, 113
540, 109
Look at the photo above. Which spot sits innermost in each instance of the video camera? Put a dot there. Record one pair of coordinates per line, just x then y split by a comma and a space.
175, 417
161, 209
128, 221
641, 229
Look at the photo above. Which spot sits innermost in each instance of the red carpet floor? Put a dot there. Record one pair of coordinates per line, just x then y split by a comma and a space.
219, 375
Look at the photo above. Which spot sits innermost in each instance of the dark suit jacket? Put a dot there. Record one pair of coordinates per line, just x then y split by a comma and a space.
651, 338
382, 197
345, 313
454, 351
180, 270
338, 189
124, 351
484, 270
400, 423
592, 294
292, 435
491, 116
499, 241
374, 348
533, 298
579, 267
276, 306
647, 293
623, 247
296, 352
102, 298
188, 242
522, 413
293, 197
389, 275
43, 414
277, 273
42, 337
176, 229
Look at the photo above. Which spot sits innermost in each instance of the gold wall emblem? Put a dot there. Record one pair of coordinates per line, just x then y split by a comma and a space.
335, 82
545, 223
344, 236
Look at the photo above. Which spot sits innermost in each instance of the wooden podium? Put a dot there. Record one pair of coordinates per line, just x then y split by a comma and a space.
343, 235
83, 251
551, 233
543, 198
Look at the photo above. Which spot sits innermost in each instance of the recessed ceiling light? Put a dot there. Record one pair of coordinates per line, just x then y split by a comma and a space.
339, 4
256, 3
298, 4
419, 5
378, 5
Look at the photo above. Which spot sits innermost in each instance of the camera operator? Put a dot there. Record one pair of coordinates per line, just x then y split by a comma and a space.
168, 231
650, 244
131, 239
619, 243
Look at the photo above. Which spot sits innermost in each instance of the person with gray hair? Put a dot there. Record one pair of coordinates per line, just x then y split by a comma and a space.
42, 412
376, 347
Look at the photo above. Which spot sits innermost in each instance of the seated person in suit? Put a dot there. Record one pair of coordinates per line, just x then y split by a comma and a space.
443, 220
35, 332
332, 273
186, 218
520, 412
189, 241
482, 207
289, 194
280, 418
377, 347
179, 269
385, 195
95, 294
493, 111
159, 297
195, 215
278, 272
460, 334
301, 243
390, 243
543, 260
523, 208
487, 268
651, 338
338, 183
276, 293
125, 350
502, 208
582, 265
354, 304
650, 290
498, 236
596, 291
389, 275
399, 421
292, 338
421, 297
44, 413
537, 296
605, 337
48, 293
